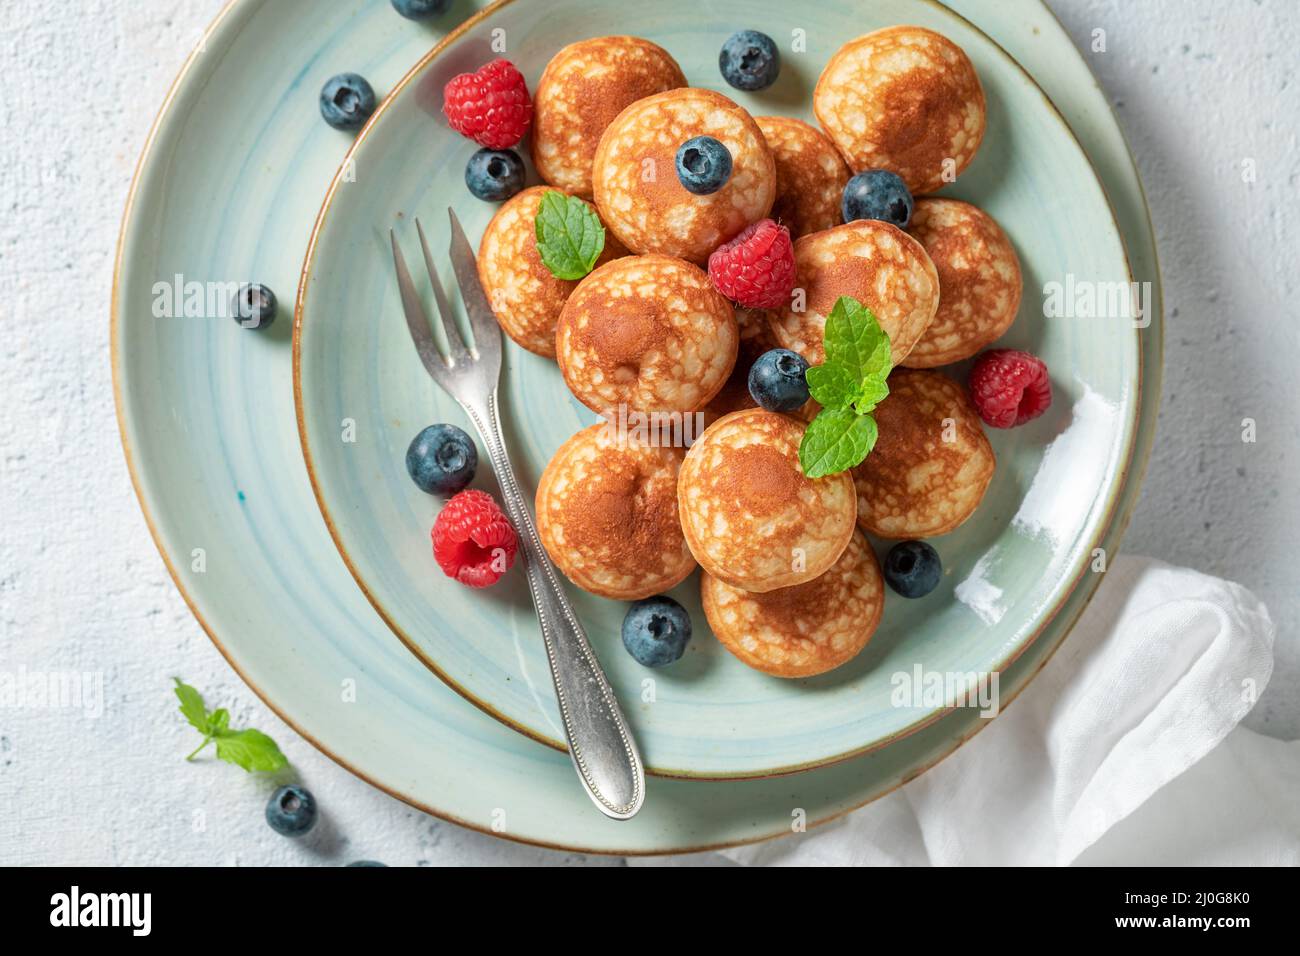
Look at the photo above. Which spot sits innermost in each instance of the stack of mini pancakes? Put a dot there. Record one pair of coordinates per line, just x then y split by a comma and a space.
790, 583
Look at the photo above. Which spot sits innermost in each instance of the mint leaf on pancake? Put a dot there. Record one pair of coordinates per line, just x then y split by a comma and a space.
833, 386
837, 439
848, 385
570, 237
854, 339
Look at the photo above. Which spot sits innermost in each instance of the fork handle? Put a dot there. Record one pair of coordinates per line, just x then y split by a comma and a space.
600, 743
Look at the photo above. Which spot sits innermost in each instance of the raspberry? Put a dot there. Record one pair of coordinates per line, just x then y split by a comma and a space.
491, 105
473, 541
1009, 387
756, 269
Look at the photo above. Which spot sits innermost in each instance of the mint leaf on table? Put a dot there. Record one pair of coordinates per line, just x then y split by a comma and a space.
250, 749
848, 385
570, 237
838, 438
192, 706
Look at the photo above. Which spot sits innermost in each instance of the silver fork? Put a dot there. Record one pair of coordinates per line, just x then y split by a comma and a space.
602, 748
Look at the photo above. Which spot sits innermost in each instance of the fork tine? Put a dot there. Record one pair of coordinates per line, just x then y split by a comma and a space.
456, 346
417, 321
482, 320
411, 303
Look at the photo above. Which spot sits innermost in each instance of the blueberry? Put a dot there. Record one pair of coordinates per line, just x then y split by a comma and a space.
877, 194
494, 174
912, 568
421, 9
703, 165
749, 60
656, 631
346, 101
291, 811
368, 862
777, 382
253, 306
441, 459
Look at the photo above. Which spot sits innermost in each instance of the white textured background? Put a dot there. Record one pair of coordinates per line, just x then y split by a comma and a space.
1199, 86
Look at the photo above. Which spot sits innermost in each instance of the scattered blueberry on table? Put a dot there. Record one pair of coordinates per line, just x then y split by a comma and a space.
777, 381
254, 306
347, 101
703, 165
441, 460
912, 568
749, 60
421, 9
494, 174
291, 811
656, 631
877, 194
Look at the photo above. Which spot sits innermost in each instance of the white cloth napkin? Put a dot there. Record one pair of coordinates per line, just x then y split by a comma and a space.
1126, 749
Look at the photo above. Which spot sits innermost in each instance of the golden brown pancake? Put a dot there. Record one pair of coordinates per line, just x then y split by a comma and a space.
879, 265
634, 175
931, 464
751, 517
806, 629
524, 295
649, 333
810, 175
979, 280
607, 515
904, 99
582, 89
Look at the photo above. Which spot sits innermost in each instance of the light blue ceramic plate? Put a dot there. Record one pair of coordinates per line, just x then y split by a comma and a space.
1008, 569
227, 189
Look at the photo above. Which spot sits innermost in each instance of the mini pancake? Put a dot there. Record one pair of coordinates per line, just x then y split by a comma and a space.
979, 280
751, 517
755, 339
634, 175
879, 265
932, 462
904, 99
810, 175
582, 89
525, 297
804, 630
607, 515
648, 333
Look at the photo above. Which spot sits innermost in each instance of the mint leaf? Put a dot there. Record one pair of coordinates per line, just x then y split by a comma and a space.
833, 386
854, 339
252, 750
570, 237
849, 384
219, 722
837, 439
871, 393
192, 706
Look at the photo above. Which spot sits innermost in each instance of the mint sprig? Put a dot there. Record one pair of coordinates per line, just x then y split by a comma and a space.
250, 749
848, 386
570, 237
